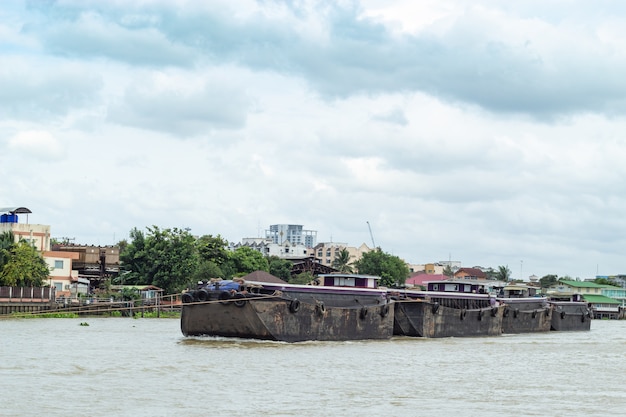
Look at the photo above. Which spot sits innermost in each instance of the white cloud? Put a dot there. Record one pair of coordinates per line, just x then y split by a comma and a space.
489, 132
39, 144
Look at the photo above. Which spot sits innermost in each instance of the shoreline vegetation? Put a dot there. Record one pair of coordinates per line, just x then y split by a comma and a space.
136, 315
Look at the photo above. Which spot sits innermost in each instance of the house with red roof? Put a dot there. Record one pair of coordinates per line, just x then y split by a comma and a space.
470, 273
421, 278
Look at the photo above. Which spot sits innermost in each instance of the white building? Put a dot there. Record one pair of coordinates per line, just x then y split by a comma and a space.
293, 233
267, 247
36, 234
62, 277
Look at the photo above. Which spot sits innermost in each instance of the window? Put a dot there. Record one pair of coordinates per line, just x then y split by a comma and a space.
58, 285
58, 264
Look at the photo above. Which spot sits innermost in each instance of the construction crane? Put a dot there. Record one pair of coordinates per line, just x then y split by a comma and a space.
371, 235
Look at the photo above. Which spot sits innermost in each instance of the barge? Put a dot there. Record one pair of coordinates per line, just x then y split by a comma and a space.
570, 313
525, 311
343, 307
434, 314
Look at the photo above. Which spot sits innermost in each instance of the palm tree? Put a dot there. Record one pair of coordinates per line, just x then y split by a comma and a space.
342, 261
503, 274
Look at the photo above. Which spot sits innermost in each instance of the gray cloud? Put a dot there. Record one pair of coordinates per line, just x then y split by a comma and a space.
181, 113
45, 93
491, 135
466, 60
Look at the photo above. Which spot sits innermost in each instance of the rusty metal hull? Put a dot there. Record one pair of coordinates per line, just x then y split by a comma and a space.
277, 319
570, 316
526, 315
420, 318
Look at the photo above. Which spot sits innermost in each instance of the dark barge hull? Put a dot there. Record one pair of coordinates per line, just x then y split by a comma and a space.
523, 315
290, 313
570, 316
277, 320
445, 316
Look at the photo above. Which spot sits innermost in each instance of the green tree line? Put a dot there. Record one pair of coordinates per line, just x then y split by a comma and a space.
173, 259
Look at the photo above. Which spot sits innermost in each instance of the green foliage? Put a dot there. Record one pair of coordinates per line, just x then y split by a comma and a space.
280, 268
23, 266
605, 281
303, 278
166, 258
7, 240
173, 259
392, 270
342, 261
45, 315
503, 273
129, 294
154, 315
207, 270
246, 260
490, 273
135, 260
548, 280
212, 248
447, 271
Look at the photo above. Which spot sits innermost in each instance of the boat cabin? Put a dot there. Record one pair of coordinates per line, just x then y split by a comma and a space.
566, 296
348, 280
517, 291
462, 286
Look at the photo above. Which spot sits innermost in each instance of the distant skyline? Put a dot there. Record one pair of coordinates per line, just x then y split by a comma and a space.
491, 133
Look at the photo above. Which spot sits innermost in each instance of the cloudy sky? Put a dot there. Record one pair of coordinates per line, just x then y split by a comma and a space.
486, 132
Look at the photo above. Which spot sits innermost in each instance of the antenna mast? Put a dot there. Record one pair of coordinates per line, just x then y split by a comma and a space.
371, 235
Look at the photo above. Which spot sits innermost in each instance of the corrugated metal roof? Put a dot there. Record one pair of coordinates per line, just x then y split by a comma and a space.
600, 299
14, 210
584, 284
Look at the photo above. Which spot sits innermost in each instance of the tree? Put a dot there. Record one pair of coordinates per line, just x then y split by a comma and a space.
548, 280
605, 281
245, 260
134, 260
207, 270
165, 258
447, 271
503, 273
303, 278
490, 273
24, 266
280, 268
7, 240
342, 261
213, 248
392, 270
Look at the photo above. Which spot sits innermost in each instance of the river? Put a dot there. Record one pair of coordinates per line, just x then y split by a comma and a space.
145, 367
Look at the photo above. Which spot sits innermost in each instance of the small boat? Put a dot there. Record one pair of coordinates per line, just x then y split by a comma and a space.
342, 307
570, 313
525, 311
451, 311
